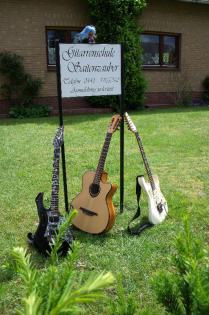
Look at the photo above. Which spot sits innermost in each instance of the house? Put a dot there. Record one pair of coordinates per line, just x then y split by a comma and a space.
176, 48
175, 40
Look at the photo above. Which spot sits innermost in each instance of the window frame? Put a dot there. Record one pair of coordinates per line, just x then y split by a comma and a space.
52, 67
162, 66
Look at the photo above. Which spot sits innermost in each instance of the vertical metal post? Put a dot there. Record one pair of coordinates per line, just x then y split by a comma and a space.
122, 133
59, 97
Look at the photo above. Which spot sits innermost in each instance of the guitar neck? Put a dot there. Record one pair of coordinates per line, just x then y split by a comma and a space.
55, 182
146, 164
101, 163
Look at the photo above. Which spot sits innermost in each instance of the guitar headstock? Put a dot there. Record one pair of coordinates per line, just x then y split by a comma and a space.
130, 123
59, 138
114, 123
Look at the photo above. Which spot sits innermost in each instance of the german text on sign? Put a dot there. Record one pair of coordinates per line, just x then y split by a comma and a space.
90, 70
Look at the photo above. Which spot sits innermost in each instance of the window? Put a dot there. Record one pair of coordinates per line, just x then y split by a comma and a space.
64, 35
160, 50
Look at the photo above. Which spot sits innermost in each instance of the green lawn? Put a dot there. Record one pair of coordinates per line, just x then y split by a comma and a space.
176, 142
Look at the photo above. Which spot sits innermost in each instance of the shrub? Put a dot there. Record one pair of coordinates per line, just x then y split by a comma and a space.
20, 88
185, 290
184, 96
30, 111
205, 85
183, 92
123, 304
115, 21
58, 288
31, 89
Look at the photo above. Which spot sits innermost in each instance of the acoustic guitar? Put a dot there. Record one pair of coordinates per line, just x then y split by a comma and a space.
157, 204
96, 212
50, 219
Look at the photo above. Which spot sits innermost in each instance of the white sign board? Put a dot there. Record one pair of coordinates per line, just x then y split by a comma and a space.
90, 69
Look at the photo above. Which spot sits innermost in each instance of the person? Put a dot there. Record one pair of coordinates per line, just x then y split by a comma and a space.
91, 38
87, 35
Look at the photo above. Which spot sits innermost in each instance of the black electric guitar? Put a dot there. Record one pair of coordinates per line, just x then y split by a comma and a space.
50, 219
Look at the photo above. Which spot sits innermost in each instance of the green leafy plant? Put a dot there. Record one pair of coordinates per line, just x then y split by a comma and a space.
126, 303
185, 289
19, 87
115, 21
30, 111
123, 304
59, 288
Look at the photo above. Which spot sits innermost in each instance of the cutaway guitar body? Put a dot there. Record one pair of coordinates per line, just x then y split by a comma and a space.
51, 219
39, 239
157, 204
96, 212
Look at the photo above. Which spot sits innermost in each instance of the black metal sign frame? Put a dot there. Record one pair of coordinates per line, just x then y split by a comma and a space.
61, 122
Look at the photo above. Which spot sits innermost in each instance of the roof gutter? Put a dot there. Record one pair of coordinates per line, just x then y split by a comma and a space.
196, 1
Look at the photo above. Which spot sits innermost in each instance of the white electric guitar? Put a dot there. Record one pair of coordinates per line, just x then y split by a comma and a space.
158, 207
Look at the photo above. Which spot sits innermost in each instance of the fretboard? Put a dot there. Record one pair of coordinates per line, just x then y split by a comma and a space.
55, 182
102, 159
146, 164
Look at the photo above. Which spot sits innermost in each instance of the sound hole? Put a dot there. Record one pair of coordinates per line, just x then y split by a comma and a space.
94, 190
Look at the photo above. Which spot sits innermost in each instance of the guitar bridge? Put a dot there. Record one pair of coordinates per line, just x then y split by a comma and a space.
88, 212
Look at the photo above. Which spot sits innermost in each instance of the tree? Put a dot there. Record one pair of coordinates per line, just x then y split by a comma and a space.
115, 21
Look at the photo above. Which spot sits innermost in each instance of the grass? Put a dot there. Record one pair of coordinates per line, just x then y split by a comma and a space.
176, 143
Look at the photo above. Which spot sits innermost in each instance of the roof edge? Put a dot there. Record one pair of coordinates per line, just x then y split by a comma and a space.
196, 1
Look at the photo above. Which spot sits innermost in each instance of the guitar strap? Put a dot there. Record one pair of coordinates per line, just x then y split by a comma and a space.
136, 230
